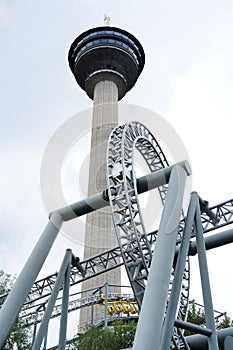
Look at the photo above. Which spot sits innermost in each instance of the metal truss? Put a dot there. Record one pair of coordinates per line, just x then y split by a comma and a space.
35, 313
108, 260
93, 266
217, 216
135, 245
123, 197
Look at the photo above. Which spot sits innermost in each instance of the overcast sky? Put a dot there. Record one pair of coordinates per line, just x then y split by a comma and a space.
187, 79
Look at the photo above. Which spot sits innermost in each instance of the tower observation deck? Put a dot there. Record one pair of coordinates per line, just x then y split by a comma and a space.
106, 53
106, 62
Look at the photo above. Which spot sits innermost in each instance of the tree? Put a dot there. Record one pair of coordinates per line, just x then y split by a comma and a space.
20, 334
116, 337
121, 335
197, 316
225, 323
124, 333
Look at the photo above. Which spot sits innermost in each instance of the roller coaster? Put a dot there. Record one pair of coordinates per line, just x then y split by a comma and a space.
157, 263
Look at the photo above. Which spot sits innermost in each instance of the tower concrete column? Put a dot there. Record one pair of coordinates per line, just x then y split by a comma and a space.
100, 233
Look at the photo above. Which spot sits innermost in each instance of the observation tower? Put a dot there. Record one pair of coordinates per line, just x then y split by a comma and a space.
106, 62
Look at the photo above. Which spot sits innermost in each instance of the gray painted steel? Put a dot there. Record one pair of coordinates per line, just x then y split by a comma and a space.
228, 343
197, 342
148, 333
106, 305
65, 303
100, 200
106, 261
48, 237
44, 324
123, 196
206, 290
192, 327
25, 280
178, 277
200, 342
213, 241
45, 339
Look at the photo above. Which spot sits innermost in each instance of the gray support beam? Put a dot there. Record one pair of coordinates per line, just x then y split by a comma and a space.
228, 343
100, 200
197, 341
178, 277
34, 333
65, 304
193, 327
159, 177
45, 340
148, 333
25, 280
83, 207
213, 241
106, 305
60, 278
107, 261
206, 290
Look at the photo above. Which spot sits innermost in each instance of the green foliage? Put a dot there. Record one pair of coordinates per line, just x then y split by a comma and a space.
19, 335
197, 316
119, 336
225, 323
124, 333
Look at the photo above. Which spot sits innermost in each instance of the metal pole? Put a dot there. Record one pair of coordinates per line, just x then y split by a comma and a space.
92, 314
181, 335
199, 341
65, 305
228, 343
178, 277
100, 200
213, 241
159, 177
148, 333
106, 305
206, 290
57, 286
45, 339
34, 333
193, 327
25, 280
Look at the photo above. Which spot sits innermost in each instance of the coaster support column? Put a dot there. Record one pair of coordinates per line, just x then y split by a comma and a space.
149, 329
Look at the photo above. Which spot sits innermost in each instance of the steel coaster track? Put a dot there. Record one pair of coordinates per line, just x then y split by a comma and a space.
107, 260
135, 245
123, 198
124, 202
35, 316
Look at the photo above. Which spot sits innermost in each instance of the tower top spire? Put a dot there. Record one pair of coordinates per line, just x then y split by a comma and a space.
106, 20
106, 53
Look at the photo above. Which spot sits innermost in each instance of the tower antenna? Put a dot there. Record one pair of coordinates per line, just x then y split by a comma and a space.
106, 20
